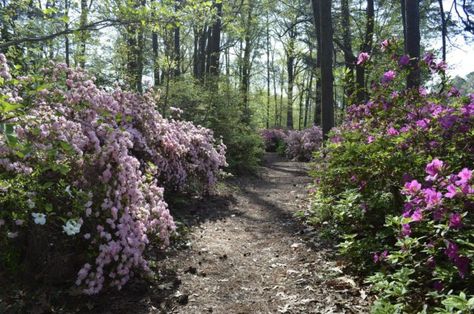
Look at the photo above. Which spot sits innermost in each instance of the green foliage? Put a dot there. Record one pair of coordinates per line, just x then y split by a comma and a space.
216, 105
360, 195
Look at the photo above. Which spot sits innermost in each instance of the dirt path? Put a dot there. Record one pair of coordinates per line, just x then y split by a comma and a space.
256, 257
246, 253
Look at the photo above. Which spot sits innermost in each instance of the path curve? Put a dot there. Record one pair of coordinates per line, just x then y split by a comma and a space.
256, 257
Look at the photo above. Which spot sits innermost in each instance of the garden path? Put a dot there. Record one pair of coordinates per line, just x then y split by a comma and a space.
246, 253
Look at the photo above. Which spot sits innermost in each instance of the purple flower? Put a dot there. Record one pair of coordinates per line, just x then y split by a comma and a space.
454, 92
423, 123
406, 230
452, 251
413, 187
428, 58
464, 176
370, 139
438, 285
403, 61
455, 221
392, 131
362, 58
417, 215
388, 76
452, 191
439, 214
423, 91
384, 45
448, 121
432, 197
434, 167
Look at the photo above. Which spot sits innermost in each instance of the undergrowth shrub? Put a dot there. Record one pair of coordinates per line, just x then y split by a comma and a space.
220, 110
83, 171
300, 145
418, 235
274, 139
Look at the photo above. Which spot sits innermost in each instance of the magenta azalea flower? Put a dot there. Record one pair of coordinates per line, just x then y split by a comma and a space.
423, 123
464, 176
455, 221
452, 191
392, 131
434, 167
388, 76
363, 57
403, 61
406, 230
413, 187
432, 197
417, 215
452, 251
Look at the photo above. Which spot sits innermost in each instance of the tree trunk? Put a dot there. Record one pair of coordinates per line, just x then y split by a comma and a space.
135, 42
215, 42
275, 89
245, 83
349, 59
81, 59
290, 64
444, 31
317, 23
66, 26
200, 38
156, 63
308, 97
404, 23
366, 47
412, 40
268, 70
177, 44
327, 100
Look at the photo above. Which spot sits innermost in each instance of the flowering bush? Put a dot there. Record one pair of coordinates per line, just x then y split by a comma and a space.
361, 176
83, 172
273, 139
300, 145
434, 248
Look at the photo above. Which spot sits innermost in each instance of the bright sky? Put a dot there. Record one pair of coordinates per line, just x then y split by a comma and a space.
460, 56
461, 59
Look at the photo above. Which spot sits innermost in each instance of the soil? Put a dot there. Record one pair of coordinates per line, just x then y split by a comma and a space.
243, 252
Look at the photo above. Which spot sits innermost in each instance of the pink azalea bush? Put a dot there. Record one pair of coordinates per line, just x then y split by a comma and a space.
394, 184
273, 139
300, 145
86, 168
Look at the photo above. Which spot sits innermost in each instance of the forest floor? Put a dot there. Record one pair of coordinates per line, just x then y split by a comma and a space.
243, 252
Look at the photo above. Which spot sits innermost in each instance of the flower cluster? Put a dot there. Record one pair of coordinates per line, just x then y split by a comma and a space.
95, 163
301, 145
385, 151
273, 138
442, 202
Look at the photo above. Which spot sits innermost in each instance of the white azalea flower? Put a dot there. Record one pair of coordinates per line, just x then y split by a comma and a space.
30, 203
39, 218
72, 227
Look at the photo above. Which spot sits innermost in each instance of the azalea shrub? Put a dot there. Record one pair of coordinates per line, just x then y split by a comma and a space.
83, 172
274, 139
394, 185
300, 145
